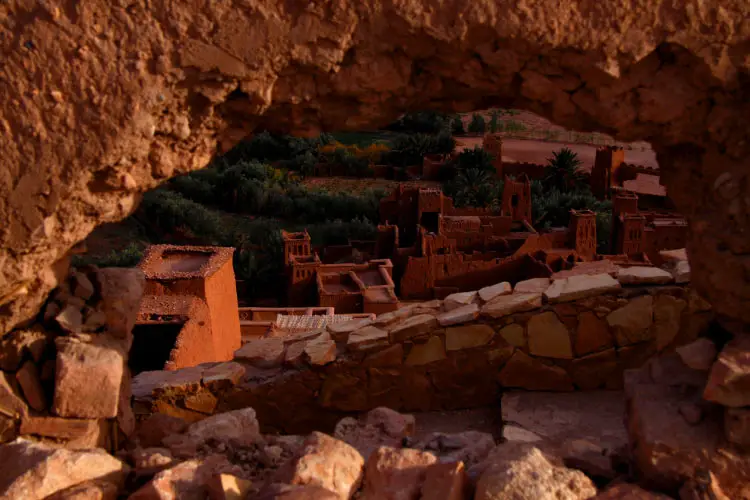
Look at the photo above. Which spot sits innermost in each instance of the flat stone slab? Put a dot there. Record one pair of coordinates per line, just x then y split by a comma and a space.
588, 269
367, 338
593, 415
509, 304
534, 285
581, 287
456, 300
490, 292
642, 275
263, 353
459, 315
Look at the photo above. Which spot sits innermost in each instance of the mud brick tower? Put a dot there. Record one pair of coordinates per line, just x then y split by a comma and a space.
204, 273
608, 160
583, 233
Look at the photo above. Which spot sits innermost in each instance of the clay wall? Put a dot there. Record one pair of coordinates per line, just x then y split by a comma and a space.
431, 167
193, 344
203, 272
517, 198
534, 171
605, 171
582, 233
583, 344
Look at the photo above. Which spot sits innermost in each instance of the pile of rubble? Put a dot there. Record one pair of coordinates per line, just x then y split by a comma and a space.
65, 378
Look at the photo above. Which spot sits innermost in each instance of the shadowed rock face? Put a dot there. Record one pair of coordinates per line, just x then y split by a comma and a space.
102, 100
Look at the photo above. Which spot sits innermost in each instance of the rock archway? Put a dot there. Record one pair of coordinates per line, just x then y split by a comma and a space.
102, 100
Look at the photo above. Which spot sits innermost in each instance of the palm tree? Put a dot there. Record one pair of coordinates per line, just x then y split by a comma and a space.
564, 171
474, 187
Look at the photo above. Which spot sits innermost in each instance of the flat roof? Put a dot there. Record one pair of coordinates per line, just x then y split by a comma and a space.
174, 262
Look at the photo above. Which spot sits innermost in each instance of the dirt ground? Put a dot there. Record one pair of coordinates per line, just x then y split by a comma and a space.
518, 150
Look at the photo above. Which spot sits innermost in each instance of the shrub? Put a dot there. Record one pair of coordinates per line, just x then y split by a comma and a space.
457, 125
473, 187
477, 124
163, 212
494, 120
552, 207
476, 158
409, 150
421, 122
129, 256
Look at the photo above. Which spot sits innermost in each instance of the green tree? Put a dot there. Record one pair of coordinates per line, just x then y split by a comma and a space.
477, 124
457, 125
476, 158
564, 172
495, 115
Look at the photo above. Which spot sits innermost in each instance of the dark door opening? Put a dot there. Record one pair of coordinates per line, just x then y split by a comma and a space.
152, 345
430, 221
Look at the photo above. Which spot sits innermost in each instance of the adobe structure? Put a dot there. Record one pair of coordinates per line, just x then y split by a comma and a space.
346, 287
188, 314
635, 231
611, 175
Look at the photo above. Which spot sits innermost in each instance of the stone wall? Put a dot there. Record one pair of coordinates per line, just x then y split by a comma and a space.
580, 333
65, 379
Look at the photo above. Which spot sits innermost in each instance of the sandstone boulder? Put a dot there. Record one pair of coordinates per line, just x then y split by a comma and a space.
513, 334
188, 480
237, 427
34, 471
396, 474
468, 447
10, 402
88, 378
327, 463
698, 355
729, 378
120, 290
445, 482
737, 426
379, 427
228, 487
667, 448
90, 490
149, 461
523, 471
156, 427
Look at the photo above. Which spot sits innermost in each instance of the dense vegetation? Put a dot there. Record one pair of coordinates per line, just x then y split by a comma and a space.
246, 196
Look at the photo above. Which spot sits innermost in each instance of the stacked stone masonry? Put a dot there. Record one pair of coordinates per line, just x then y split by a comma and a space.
580, 333
65, 380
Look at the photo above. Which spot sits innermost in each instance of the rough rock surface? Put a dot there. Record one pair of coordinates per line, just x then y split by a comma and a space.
35, 471
396, 474
523, 471
328, 463
81, 142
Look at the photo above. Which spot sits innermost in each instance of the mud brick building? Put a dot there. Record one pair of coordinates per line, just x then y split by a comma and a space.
188, 314
347, 287
635, 231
